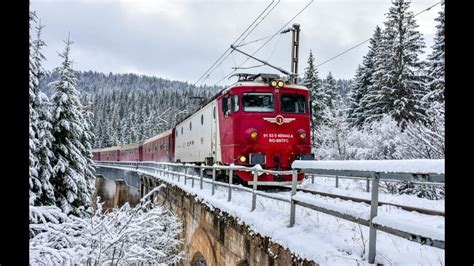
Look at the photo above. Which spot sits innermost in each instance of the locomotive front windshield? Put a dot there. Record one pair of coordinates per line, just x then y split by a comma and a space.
258, 102
293, 103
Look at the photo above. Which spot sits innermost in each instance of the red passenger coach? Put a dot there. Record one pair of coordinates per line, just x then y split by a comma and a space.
131, 152
96, 154
159, 147
107, 154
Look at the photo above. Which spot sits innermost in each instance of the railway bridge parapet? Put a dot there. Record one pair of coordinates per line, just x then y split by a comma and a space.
209, 235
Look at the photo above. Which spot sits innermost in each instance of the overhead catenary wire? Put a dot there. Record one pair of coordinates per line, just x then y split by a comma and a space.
208, 71
263, 45
243, 39
254, 41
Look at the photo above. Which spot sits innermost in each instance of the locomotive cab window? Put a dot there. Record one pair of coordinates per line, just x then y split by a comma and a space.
293, 103
258, 102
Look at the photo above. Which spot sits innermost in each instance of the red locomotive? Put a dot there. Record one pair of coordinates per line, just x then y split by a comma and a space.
257, 120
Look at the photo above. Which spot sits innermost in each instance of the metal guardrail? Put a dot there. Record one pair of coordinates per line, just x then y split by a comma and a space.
339, 174
168, 170
415, 178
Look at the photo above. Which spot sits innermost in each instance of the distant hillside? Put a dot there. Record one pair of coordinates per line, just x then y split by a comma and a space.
128, 108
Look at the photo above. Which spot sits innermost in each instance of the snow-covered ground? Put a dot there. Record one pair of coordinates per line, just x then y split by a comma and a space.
323, 238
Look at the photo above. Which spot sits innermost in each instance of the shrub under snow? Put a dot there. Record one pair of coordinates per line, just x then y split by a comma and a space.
147, 233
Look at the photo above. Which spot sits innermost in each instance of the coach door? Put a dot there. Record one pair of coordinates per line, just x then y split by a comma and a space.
214, 132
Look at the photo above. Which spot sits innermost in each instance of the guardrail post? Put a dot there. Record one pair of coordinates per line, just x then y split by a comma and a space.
177, 171
213, 179
192, 179
254, 196
312, 179
368, 185
185, 173
202, 175
231, 174
293, 192
337, 181
373, 213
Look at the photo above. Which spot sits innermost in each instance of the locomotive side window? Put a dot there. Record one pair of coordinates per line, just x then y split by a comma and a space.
258, 102
226, 105
235, 103
293, 103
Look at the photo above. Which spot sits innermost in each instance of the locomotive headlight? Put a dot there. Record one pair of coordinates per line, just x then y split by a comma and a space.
242, 159
253, 135
274, 83
302, 134
281, 83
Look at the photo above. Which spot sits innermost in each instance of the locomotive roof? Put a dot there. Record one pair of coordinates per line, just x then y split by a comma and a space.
159, 136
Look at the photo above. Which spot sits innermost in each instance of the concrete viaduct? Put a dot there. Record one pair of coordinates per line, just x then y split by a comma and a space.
210, 236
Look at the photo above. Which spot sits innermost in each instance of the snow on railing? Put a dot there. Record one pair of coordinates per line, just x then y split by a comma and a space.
424, 170
168, 171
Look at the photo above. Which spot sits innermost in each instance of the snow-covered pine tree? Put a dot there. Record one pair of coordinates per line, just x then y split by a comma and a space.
35, 184
72, 179
86, 140
398, 82
427, 140
329, 90
436, 70
41, 103
355, 96
313, 83
359, 97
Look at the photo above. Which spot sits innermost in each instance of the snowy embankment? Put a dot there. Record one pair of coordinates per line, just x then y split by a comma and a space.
419, 166
316, 236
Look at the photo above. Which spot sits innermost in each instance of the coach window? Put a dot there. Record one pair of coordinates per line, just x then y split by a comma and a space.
181, 130
293, 103
202, 119
258, 102
235, 103
190, 125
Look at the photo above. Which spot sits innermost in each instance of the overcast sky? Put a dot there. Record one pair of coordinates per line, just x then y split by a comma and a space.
180, 40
